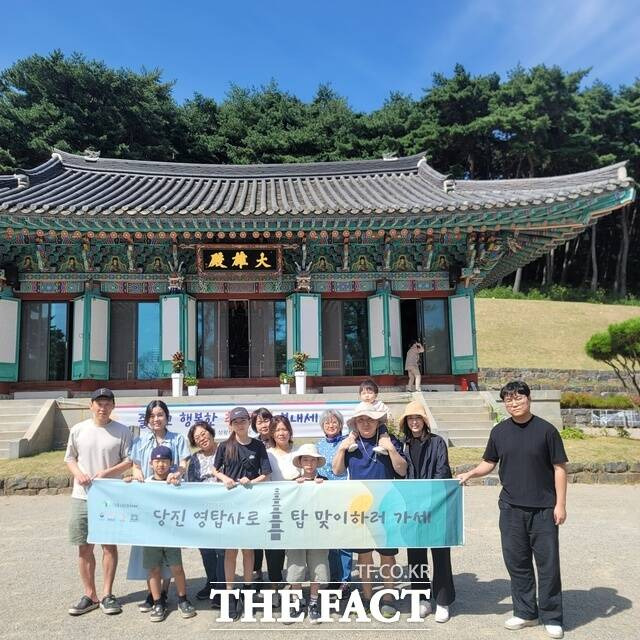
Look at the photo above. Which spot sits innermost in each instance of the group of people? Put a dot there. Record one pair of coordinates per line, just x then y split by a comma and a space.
531, 460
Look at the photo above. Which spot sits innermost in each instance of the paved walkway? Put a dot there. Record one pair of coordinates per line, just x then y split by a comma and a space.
600, 567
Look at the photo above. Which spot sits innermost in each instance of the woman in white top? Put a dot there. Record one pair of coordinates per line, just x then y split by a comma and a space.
282, 469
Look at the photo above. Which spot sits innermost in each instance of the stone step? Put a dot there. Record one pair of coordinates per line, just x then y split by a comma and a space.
461, 415
18, 412
16, 425
455, 403
467, 433
453, 423
32, 395
475, 441
9, 436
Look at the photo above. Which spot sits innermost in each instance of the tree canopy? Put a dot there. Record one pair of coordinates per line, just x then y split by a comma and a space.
535, 122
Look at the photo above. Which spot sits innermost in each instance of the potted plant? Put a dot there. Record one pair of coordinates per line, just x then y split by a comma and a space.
299, 360
284, 384
177, 377
192, 385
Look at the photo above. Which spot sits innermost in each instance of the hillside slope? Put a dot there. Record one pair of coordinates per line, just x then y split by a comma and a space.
541, 333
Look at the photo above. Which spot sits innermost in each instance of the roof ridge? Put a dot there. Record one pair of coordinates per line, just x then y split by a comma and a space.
199, 170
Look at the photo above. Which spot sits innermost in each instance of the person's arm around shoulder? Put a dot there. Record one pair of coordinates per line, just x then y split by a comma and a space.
184, 455
338, 465
115, 471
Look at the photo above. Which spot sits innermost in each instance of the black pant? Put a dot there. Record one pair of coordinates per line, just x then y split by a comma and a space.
275, 564
258, 555
528, 532
443, 590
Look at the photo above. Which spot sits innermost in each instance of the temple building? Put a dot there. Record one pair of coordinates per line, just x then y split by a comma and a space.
111, 266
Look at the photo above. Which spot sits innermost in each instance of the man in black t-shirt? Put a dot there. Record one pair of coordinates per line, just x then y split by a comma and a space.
532, 506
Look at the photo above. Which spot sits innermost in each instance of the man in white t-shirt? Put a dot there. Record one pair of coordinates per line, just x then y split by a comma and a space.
97, 448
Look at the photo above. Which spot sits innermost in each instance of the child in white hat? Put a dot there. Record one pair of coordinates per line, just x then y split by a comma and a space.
308, 460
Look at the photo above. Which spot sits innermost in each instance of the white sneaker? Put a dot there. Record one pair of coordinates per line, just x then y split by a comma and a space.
554, 630
425, 608
442, 613
514, 623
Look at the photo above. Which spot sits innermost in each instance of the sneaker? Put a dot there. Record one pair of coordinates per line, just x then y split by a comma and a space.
345, 590
297, 605
277, 601
204, 593
187, 610
380, 450
110, 605
514, 623
554, 630
387, 609
425, 608
158, 612
85, 605
442, 613
215, 601
147, 605
314, 612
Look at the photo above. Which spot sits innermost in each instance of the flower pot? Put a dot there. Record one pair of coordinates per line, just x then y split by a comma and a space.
301, 382
177, 384
192, 390
284, 389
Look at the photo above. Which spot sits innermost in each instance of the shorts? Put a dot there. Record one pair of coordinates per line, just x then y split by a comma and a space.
317, 560
153, 557
382, 552
78, 522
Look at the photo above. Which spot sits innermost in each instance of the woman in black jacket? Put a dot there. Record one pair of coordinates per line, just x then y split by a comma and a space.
427, 459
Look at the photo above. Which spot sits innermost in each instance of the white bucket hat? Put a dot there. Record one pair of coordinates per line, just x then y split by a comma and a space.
308, 450
380, 416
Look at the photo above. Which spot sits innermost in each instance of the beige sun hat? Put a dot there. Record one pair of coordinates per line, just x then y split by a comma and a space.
414, 408
308, 450
361, 410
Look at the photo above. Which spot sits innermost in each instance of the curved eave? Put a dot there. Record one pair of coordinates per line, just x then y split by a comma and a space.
71, 185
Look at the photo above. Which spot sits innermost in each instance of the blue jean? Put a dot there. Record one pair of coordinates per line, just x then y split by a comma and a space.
213, 561
340, 563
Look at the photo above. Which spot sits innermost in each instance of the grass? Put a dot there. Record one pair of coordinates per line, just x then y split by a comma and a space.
541, 333
601, 449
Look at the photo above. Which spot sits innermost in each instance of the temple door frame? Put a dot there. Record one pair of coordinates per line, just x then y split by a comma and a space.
462, 332
178, 332
10, 309
304, 330
91, 337
385, 334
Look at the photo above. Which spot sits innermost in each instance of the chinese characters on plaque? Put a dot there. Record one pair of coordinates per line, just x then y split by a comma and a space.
226, 258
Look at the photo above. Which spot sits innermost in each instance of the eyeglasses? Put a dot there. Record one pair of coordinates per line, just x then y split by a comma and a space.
514, 399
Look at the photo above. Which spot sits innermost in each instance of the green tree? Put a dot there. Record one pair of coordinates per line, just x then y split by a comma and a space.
619, 348
73, 103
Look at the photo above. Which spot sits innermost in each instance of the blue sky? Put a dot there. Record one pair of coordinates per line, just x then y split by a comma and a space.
364, 50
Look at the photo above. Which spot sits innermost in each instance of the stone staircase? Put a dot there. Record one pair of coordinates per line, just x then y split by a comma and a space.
16, 417
462, 418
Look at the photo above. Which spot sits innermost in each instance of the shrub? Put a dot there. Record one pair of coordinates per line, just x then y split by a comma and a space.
573, 400
571, 433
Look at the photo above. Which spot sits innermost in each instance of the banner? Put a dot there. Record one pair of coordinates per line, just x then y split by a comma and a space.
304, 416
345, 514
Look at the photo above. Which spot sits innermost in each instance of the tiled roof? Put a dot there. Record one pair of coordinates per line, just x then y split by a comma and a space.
72, 185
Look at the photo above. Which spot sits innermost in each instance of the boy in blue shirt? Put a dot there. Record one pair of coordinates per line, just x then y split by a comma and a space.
363, 462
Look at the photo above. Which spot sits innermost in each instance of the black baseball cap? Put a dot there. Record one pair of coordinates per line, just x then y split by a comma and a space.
103, 393
239, 413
